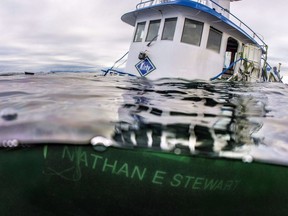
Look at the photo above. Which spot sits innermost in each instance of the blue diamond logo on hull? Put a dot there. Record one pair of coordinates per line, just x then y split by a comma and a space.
145, 67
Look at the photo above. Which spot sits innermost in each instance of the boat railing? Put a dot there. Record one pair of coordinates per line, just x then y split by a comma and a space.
243, 26
146, 3
212, 4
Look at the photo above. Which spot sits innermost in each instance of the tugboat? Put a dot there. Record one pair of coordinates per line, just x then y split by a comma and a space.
134, 173
193, 39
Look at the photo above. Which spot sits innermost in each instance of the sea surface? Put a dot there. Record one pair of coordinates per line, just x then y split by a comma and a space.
235, 120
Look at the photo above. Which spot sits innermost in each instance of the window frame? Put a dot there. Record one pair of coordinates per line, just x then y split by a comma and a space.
219, 45
201, 34
142, 32
148, 31
169, 38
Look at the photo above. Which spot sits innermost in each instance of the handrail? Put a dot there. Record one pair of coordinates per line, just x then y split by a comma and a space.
242, 23
208, 3
112, 68
226, 69
143, 3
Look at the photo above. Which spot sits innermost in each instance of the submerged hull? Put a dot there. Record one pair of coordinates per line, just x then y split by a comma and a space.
78, 180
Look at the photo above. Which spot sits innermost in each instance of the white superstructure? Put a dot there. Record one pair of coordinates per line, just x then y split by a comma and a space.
193, 39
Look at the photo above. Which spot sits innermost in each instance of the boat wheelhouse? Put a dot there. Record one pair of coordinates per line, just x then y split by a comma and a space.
194, 39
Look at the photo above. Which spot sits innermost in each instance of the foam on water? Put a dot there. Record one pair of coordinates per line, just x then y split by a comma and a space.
246, 121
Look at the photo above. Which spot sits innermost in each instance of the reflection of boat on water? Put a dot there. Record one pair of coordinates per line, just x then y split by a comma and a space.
211, 123
193, 39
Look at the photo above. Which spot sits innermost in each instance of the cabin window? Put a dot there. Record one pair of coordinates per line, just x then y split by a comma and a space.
192, 32
214, 40
139, 34
153, 30
169, 29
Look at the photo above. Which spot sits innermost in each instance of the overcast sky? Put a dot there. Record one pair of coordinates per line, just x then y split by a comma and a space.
48, 35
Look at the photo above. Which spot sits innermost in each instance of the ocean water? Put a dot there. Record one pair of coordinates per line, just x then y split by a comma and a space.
239, 121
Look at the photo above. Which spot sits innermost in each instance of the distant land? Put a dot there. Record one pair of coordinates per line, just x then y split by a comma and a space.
4, 69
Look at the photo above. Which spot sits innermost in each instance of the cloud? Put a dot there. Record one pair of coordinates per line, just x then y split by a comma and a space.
90, 33
268, 21
61, 32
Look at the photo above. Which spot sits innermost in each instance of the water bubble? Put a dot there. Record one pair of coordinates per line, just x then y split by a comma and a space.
247, 159
177, 151
9, 114
101, 143
10, 143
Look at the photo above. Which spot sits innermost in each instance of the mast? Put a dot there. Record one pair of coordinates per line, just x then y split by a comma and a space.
223, 4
